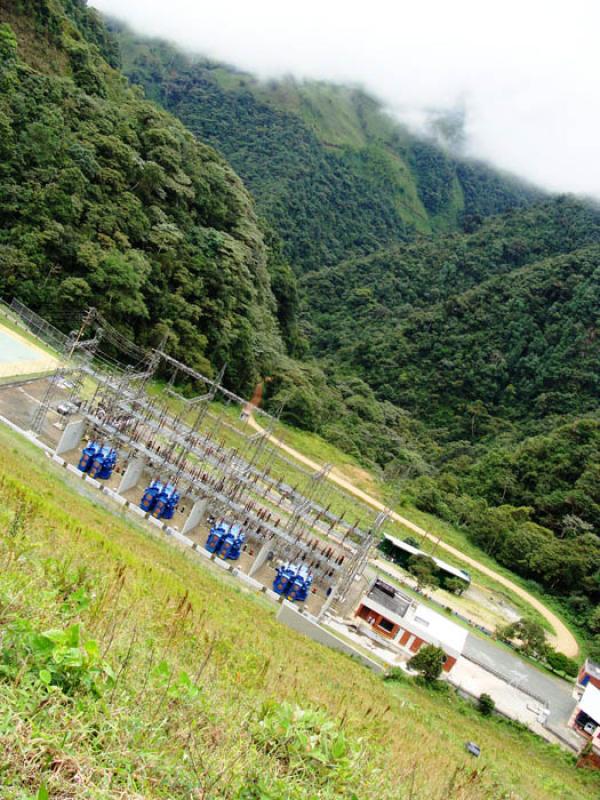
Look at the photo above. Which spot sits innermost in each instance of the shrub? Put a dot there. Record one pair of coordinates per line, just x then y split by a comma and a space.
561, 663
529, 636
55, 657
428, 662
455, 585
486, 705
309, 746
424, 571
396, 675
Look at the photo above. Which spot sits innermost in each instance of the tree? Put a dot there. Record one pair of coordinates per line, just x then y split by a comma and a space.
412, 542
529, 634
561, 663
455, 585
429, 662
486, 705
424, 570
572, 526
594, 650
477, 411
594, 620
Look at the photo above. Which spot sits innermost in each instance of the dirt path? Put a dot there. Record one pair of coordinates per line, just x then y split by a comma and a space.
562, 640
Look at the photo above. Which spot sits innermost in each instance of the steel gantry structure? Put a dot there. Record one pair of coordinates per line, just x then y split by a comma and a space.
206, 448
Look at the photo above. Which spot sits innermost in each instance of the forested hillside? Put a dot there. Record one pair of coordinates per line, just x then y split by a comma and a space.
331, 171
105, 199
108, 200
503, 318
489, 339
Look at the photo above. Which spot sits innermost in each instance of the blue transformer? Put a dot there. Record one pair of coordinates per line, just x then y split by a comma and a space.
103, 463
231, 543
292, 582
298, 588
150, 495
166, 502
225, 541
214, 539
282, 579
88, 454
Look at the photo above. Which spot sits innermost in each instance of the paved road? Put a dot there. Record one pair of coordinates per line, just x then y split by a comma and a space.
562, 639
556, 693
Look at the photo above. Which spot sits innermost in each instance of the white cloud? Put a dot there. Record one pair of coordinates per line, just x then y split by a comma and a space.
526, 70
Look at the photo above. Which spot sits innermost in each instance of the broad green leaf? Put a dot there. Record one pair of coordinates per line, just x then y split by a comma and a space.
45, 676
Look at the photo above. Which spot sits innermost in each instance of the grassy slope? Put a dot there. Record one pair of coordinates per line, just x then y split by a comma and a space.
147, 604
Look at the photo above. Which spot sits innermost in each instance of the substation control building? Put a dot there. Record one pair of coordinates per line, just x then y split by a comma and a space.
408, 625
585, 718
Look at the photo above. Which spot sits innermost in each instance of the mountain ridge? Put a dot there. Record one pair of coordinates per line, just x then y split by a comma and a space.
301, 146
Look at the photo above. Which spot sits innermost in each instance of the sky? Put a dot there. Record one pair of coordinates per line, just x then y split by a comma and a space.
526, 72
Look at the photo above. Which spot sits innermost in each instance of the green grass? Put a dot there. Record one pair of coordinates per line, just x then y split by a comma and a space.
192, 686
323, 452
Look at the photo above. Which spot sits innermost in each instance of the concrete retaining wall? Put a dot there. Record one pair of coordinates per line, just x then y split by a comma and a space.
75, 471
133, 473
196, 514
307, 625
258, 587
71, 436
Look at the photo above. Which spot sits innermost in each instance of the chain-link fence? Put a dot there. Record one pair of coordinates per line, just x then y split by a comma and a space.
18, 313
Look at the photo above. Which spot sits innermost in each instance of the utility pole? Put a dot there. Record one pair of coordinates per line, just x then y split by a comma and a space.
87, 319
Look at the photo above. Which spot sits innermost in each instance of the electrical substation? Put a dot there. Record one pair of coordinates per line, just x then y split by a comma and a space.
200, 466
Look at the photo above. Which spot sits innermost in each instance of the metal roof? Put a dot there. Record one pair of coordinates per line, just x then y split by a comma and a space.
592, 668
459, 573
590, 702
437, 629
395, 601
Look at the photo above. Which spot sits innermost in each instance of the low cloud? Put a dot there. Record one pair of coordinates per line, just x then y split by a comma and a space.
525, 72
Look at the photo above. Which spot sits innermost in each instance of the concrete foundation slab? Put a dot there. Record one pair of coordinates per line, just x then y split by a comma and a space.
75, 471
